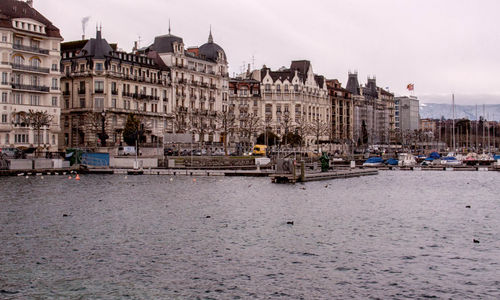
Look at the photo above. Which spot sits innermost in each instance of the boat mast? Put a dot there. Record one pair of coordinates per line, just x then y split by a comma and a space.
453, 123
484, 120
477, 121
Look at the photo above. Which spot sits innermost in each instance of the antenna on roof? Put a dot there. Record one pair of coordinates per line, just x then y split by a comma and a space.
210, 38
168, 26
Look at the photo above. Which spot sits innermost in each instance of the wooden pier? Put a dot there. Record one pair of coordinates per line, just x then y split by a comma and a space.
291, 178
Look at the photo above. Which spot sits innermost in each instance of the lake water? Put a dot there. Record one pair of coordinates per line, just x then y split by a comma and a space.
395, 235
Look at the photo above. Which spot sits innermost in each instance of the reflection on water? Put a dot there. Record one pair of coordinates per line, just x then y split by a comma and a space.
395, 235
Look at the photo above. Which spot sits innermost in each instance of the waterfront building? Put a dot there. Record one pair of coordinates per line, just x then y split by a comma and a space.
30, 58
374, 112
295, 100
102, 86
342, 112
200, 86
407, 113
244, 101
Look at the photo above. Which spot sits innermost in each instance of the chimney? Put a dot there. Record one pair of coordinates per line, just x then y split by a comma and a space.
135, 47
83, 36
30, 2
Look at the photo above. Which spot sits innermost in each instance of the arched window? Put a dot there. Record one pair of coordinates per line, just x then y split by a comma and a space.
18, 60
35, 62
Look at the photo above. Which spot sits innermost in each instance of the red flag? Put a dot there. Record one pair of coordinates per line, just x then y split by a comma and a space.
410, 86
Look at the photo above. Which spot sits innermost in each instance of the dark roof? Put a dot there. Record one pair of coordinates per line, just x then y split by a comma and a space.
13, 9
98, 47
210, 50
301, 65
164, 43
353, 84
320, 80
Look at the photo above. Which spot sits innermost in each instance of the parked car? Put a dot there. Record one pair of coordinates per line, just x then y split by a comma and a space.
185, 152
170, 152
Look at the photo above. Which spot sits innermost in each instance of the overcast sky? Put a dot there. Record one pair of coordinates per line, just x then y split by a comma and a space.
441, 46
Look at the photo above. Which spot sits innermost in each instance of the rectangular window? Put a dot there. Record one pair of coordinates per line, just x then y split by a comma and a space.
99, 86
82, 102
54, 67
4, 38
99, 103
4, 118
98, 66
5, 78
113, 103
7, 139
55, 84
54, 101
4, 97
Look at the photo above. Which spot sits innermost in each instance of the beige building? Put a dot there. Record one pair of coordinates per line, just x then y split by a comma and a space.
295, 100
342, 112
200, 86
30, 58
103, 86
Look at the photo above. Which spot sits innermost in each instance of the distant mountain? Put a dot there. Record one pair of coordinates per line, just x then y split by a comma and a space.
438, 110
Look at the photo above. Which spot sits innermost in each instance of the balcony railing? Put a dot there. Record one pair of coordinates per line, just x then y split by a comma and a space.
39, 88
114, 92
30, 49
81, 91
30, 68
99, 91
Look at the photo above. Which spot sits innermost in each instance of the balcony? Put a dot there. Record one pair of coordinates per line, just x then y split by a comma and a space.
81, 91
212, 99
126, 94
114, 92
30, 68
30, 49
99, 91
36, 88
213, 86
66, 93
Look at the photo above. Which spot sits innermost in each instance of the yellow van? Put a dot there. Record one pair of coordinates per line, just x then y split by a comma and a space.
259, 150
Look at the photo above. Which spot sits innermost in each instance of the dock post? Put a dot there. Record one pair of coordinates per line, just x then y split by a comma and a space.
302, 171
294, 170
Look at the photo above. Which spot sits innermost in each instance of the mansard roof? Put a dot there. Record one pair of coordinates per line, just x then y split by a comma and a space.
165, 43
301, 65
353, 84
98, 47
13, 9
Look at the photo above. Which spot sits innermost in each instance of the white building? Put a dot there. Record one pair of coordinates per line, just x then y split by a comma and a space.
30, 58
407, 113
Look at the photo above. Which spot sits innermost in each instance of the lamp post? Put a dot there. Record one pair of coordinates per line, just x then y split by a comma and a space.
103, 135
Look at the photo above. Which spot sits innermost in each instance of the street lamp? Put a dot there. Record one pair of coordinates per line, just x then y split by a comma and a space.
103, 136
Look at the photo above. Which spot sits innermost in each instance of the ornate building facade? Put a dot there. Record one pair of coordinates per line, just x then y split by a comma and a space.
30, 57
200, 85
103, 86
342, 112
295, 100
374, 112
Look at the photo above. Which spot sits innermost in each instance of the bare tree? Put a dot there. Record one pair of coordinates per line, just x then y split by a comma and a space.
302, 128
285, 124
250, 125
97, 122
225, 125
319, 129
36, 120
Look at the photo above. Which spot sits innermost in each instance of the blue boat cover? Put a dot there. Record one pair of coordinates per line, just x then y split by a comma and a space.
429, 159
448, 158
375, 159
496, 157
435, 155
392, 162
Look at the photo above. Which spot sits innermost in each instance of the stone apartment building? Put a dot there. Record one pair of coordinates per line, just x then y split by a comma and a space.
30, 57
296, 100
102, 86
200, 86
245, 104
374, 111
342, 112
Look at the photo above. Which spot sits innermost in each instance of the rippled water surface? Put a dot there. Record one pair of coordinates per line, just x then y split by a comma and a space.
395, 235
